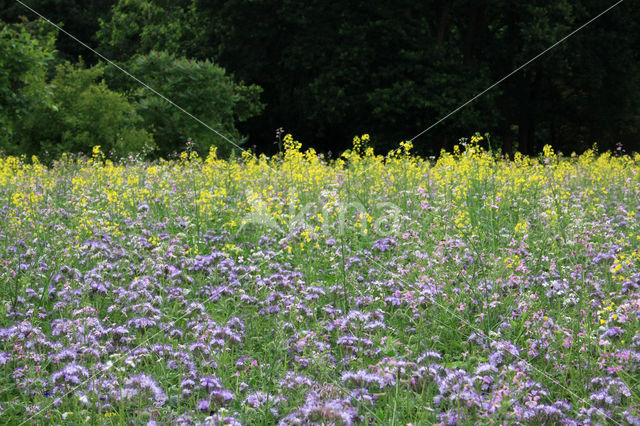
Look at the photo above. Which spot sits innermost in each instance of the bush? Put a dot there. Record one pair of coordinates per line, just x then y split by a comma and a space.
24, 57
85, 113
201, 88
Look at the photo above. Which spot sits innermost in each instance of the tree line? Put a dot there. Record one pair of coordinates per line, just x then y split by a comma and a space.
323, 70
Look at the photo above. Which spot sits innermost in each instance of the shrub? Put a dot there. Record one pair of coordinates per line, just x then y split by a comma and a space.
86, 113
200, 87
24, 56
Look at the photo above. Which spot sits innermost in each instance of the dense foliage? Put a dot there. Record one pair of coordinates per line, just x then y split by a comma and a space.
84, 113
23, 65
80, 17
48, 110
330, 70
292, 290
201, 88
333, 69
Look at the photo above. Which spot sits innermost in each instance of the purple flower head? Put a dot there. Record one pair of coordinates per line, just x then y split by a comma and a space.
210, 383
72, 374
256, 399
293, 380
428, 355
203, 405
221, 396
317, 410
612, 332
143, 386
362, 378
385, 244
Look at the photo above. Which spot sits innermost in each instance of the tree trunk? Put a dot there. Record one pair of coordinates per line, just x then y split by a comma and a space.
443, 27
470, 35
527, 112
507, 137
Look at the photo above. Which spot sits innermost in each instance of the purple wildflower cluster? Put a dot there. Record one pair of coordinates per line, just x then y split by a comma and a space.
478, 308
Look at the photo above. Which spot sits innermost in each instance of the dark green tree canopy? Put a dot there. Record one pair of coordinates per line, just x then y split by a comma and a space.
47, 110
330, 70
201, 88
334, 69
78, 17
85, 113
25, 54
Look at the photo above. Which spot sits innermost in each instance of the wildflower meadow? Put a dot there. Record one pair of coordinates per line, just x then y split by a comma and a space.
297, 289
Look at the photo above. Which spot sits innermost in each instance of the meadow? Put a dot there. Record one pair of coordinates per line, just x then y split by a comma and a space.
295, 289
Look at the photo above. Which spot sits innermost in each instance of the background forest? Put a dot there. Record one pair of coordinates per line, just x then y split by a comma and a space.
322, 70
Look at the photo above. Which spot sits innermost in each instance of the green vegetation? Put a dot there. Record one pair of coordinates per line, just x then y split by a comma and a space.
84, 113
297, 291
201, 88
23, 61
49, 106
329, 70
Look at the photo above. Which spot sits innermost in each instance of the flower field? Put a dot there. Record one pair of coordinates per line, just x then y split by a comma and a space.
300, 290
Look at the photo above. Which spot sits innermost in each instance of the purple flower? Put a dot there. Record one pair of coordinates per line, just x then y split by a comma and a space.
203, 405
71, 374
293, 380
428, 355
612, 332
210, 383
143, 385
316, 410
4, 357
141, 323
221, 396
257, 399
362, 377
384, 244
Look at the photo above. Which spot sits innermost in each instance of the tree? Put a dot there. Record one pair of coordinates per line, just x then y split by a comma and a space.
201, 88
24, 57
86, 113
334, 69
584, 90
78, 17
330, 70
137, 27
